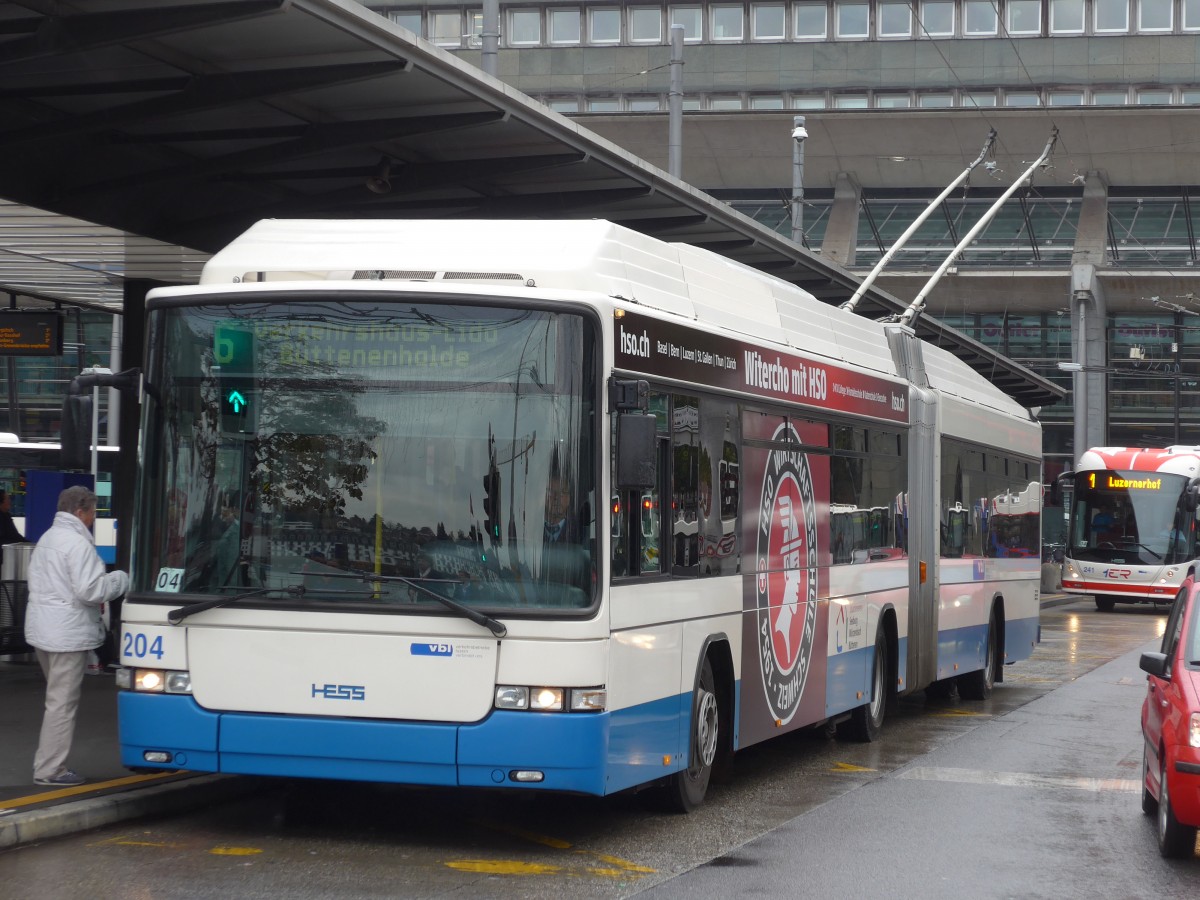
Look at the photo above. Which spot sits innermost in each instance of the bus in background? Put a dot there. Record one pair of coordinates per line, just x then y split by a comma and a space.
18, 458
1015, 521
429, 398
1132, 528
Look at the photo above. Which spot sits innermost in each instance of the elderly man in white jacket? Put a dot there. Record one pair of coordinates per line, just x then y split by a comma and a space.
67, 586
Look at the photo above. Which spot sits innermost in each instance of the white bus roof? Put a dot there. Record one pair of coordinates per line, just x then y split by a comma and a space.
579, 255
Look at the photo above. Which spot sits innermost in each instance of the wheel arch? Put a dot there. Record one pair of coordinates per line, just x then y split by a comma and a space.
890, 630
997, 610
719, 653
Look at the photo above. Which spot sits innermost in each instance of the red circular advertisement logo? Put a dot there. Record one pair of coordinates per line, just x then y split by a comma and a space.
787, 577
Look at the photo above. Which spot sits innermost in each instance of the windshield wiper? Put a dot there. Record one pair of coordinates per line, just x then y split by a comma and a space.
176, 616
495, 627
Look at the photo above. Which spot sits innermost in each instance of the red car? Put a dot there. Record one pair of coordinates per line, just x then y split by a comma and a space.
1171, 727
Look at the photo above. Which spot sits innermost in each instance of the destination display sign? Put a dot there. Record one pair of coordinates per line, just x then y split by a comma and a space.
643, 344
30, 333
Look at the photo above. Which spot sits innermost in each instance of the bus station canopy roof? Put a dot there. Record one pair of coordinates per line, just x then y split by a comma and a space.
164, 128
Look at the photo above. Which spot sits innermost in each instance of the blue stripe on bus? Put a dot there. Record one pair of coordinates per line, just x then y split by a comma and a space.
1020, 636
849, 673
643, 743
961, 650
966, 646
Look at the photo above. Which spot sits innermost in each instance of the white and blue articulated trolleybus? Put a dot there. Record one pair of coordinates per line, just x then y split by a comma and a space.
547, 506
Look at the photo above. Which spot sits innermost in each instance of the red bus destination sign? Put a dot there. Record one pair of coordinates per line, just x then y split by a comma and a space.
643, 344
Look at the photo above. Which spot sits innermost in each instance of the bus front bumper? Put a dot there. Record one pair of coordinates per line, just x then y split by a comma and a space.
551, 751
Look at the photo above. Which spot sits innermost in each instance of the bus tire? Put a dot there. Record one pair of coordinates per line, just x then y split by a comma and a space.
685, 790
978, 685
865, 721
1105, 604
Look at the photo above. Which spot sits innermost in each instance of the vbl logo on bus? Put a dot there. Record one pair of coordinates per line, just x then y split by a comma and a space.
1116, 573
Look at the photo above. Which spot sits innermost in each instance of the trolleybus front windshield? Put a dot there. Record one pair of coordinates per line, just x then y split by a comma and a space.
370, 452
1133, 517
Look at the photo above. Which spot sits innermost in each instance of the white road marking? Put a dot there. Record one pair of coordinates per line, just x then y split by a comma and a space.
1022, 779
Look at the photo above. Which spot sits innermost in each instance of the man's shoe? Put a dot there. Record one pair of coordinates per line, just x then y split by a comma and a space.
65, 778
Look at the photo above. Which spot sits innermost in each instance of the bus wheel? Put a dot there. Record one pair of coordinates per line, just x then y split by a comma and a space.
865, 721
685, 790
1105, 604
978, 685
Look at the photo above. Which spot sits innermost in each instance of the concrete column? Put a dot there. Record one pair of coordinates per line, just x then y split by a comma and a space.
840, 243
1091, 238
1089, 325
1089, 316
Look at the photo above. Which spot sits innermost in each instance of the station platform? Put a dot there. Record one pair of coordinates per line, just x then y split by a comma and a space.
112, 793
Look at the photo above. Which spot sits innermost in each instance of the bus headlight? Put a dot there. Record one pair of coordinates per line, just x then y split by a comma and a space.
150, 680
551, 699
154, 681
589, 699
512, 697
546, 699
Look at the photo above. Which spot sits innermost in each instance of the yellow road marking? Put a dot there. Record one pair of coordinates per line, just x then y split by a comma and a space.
955, 713
63, 793
616, 867
503, 867
235, 851
623, 864
122, 841
848, 767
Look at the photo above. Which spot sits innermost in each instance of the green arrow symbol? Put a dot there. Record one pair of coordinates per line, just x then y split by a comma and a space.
237, 401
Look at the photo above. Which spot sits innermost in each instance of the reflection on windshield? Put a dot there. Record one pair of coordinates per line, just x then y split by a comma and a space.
299, 443
1134, 517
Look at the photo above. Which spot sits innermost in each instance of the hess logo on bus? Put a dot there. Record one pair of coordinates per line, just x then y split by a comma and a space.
340, 691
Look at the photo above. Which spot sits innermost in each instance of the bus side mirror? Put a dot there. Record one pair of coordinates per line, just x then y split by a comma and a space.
1191, 496
75, 439
1059, 486
635, 451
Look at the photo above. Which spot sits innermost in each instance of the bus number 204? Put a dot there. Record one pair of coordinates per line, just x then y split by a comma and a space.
138, 646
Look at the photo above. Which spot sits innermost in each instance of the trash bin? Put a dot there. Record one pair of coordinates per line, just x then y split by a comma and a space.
14, 595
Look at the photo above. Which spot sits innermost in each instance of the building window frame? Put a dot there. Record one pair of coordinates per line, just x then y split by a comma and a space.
928, 9
1107, 8
606, 12
971, 10
717, 8
1157, 7
891, 31
557, 15
1013, 8
645, 17
696, 14
855, 29
521, 18
777, 34
451, 21
1067, 16
813, 10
